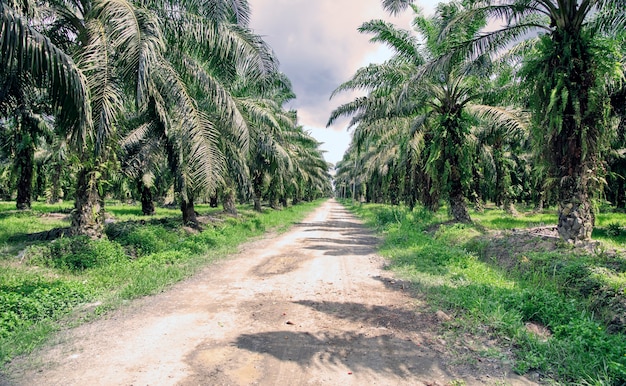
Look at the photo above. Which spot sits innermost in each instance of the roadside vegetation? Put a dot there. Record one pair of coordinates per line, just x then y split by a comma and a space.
47, 285
486, 113
168, 104
493, 101
146, 100
558, 312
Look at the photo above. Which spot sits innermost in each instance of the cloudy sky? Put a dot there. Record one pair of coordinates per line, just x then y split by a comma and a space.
319, 47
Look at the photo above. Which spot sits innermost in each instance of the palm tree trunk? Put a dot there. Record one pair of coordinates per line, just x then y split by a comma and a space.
24, 165
500, 184
509, 207
147, 203
296, 195
540, 202
24, 182
274, 192
576, 217
189, 212
88, 213
620, 195
394, 189
430, 200
228, 201
428, 194
575, 143
213, 200
257, 184
458, 206
479, 204
257, 203
55, 190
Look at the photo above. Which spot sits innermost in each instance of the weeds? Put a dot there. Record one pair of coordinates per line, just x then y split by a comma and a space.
573, 295
139, 256
613, 229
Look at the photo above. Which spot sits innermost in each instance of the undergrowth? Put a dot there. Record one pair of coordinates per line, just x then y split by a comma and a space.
45, 285
574, 295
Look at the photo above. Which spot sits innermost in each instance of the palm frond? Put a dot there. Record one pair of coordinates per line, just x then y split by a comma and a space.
402, 41
107, 98
25, 49
511, 120
395, 7
217, 96
611, 19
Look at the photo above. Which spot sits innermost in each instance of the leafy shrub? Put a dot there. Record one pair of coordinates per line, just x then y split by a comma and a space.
147, 239
456, 234
543, 306
164, 258
386, 216
26, 303
613, 229
80, 253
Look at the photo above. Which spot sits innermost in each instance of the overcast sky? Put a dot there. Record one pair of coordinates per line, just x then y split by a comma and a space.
319, 47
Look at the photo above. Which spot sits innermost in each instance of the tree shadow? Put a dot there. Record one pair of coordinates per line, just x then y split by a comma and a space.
359, 240
394, 318
389, 342
383, 354
356, 245
330, 226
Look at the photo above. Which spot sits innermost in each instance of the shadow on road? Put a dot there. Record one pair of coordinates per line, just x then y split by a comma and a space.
393, 318
384, 355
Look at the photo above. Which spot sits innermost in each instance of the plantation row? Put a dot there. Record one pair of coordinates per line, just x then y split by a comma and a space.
49, 285
175, 101
557, 313
506, 101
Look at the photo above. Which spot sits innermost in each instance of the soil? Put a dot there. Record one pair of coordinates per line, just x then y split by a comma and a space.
313, 306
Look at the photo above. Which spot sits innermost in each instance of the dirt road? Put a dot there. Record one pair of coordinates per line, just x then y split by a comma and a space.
310, 307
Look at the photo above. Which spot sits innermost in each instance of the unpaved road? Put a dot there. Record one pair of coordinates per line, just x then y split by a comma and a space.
309, 307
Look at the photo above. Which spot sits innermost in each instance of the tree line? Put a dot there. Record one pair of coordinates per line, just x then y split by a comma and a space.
493, 100
145, 99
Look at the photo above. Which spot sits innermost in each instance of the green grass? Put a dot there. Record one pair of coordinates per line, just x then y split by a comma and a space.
45, 285
498, 219
495, 218
573, 295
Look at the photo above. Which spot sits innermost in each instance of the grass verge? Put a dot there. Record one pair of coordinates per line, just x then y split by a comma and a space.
46, 285
558, 309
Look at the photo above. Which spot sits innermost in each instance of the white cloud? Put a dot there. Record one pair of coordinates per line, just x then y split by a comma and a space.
319, 47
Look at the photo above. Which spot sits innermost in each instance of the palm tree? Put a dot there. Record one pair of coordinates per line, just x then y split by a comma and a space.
29, 64
310, 168
28, 124
439, 96
270, 124
567, 68
502, 149
114, 43
219, 55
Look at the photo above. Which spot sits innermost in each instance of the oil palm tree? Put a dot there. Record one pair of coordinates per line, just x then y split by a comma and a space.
27, 125
441, 97
38, 80
220, 55
569, 67
269, 123
310, 169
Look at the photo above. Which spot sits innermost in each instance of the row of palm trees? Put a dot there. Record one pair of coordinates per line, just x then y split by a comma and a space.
149, 94
528, 110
